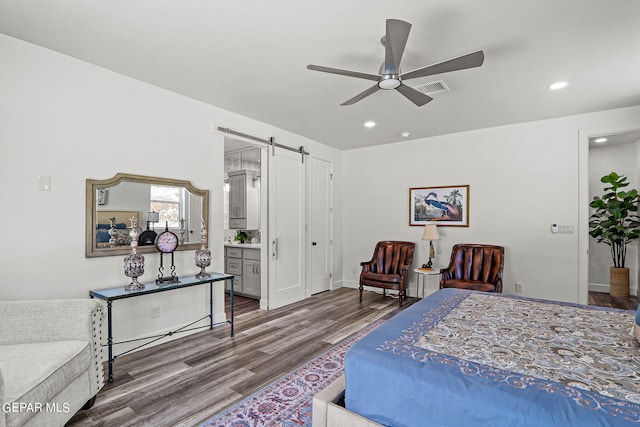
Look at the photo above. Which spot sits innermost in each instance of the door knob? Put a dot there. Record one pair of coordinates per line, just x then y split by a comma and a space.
314, 244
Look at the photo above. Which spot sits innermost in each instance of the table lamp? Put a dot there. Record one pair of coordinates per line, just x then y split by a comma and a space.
152, 218
430, 233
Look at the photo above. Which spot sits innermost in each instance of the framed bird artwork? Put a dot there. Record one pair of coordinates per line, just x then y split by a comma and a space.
445, 206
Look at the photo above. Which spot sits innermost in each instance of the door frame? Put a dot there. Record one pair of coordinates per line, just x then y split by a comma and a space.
583, 201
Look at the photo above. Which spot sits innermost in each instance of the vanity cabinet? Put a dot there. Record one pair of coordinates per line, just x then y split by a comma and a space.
244, 264
244, 200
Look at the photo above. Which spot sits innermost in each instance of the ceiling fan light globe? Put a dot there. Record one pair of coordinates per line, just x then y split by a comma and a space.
389, 82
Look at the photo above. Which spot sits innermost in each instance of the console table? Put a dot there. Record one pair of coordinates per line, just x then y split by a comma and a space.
112, 294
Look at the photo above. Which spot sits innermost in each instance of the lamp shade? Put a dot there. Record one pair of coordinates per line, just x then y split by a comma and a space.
430, 232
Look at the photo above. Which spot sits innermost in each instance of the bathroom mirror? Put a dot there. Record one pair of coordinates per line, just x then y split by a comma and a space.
156, 203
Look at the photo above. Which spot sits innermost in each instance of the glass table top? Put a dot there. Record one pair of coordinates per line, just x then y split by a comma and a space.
119, 292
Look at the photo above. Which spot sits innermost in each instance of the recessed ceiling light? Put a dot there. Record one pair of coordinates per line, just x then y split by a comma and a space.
405, 134
600, 140
558, 85
369, 124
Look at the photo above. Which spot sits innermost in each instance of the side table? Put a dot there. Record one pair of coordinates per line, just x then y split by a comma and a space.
424, 273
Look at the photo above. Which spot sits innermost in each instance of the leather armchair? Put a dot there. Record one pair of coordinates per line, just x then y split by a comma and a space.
474, 266
388, 268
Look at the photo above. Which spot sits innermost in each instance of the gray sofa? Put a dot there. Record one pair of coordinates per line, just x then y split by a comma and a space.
50, 360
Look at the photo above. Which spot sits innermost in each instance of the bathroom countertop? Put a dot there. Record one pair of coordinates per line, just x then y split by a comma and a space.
243, 245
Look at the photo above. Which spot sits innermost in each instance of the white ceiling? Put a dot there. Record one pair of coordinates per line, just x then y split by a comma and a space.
622, 138
250, 57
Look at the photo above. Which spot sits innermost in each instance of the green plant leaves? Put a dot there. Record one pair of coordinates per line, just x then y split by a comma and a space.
614, 222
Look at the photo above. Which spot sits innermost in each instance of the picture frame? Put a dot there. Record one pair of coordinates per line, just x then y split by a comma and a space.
444, 206
101, 196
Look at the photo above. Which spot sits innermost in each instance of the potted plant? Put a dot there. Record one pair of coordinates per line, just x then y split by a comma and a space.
616, 224
241, 236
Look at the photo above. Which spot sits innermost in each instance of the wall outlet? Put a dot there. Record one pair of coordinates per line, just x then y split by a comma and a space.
519, 287
155, 312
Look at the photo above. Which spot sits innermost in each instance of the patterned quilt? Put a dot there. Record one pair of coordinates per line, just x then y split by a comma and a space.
574, 346
488, 359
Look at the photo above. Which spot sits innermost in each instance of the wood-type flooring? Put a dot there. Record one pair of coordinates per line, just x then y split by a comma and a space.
605, 300
186, 381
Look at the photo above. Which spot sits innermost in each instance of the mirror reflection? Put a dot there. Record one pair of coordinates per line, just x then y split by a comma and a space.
155, 204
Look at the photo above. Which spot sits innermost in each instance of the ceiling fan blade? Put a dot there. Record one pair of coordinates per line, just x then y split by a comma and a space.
394, 43
362, 95
348, 73
413, 95
471, 60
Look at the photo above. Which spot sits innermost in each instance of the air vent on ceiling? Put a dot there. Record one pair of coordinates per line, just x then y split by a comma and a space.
433, 87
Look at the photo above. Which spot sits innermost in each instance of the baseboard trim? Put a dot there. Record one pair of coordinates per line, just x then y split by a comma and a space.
599, 287
605, 288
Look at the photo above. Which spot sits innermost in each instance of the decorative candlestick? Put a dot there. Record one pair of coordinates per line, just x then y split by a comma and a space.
112, 232
182, 230
203, 255
134, 262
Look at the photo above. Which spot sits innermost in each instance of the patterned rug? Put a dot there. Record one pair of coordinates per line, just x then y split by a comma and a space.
287, 401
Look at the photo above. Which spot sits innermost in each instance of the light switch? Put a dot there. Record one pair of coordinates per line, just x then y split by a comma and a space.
561, 229
44, 182
565, 229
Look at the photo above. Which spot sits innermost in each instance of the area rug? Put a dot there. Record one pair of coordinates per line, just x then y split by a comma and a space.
287, 401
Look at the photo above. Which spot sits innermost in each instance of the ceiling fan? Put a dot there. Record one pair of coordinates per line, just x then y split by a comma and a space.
390, 76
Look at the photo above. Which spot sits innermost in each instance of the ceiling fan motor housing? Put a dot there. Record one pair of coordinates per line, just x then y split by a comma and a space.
389, 81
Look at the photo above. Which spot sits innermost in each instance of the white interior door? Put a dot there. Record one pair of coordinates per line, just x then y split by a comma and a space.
320, 220
286, 228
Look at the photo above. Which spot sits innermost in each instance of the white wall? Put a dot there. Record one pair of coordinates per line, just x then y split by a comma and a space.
619, 158
523, 178
72, 120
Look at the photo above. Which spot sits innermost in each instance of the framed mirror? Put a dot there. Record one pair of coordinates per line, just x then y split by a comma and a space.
156, 203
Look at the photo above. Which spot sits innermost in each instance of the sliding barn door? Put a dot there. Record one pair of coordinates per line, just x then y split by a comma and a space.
286, 228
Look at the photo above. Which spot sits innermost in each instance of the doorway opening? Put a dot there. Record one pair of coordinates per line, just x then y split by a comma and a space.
243, 222
604, 152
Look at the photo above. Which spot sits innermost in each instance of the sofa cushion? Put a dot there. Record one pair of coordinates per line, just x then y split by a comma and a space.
36, 372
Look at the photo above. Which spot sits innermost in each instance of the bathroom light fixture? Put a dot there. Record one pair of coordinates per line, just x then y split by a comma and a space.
369, 124
558, 85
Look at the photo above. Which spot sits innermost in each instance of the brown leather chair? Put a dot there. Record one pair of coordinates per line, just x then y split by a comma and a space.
389, 267
474, 266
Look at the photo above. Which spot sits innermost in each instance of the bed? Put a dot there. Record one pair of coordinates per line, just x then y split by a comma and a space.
462, 357
122, 226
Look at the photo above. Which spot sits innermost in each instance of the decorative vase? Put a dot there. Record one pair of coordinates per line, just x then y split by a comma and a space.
134, 262
112, 232
619, 282
203, 255
182, 231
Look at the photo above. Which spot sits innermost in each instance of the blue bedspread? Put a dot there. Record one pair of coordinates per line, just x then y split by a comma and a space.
464, 358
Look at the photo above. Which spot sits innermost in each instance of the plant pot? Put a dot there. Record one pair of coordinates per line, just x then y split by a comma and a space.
619, 282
